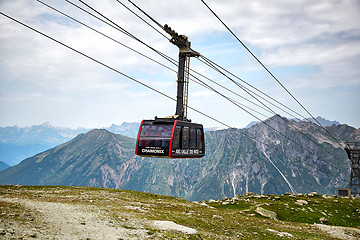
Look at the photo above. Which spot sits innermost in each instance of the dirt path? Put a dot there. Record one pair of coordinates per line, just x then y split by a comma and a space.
65, 221
344, 233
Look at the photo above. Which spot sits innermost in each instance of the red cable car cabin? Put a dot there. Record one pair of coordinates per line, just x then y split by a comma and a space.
170, 138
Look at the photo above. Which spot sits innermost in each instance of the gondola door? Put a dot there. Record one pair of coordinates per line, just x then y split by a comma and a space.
187, 140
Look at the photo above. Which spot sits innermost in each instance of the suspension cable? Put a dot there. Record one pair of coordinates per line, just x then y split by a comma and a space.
284, 119
271, 74
116, 26
144, 20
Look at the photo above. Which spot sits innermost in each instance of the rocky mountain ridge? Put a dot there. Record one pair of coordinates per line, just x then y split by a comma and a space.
234, 163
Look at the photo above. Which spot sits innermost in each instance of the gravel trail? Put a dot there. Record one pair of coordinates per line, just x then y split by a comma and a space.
65, 221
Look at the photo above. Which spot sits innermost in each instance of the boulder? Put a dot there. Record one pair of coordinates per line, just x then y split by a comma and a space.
266, 213
312, 194
323, 220
301, 202
169, 225
326, 196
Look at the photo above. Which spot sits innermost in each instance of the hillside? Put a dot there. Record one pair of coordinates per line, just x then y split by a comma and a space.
57, 212
81, 161
234, 164
3, 166
19, 143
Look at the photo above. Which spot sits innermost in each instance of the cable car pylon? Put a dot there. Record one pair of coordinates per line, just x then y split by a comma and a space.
175, 136
185, 52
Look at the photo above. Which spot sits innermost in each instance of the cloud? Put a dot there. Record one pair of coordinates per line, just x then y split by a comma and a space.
318, 40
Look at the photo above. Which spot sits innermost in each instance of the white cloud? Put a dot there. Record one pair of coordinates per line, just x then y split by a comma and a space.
321, 35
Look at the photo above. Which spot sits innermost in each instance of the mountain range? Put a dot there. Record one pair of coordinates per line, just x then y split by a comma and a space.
290, 155
18, 143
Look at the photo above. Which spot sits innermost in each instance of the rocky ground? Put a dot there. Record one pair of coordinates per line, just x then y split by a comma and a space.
94, 213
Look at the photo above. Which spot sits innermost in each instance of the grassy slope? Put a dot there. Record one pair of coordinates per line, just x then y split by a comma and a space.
234, 220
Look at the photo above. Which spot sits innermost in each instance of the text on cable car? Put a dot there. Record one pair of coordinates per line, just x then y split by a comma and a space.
144, 150
187, 151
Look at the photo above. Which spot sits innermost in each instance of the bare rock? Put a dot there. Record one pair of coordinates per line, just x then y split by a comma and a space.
169, 225
323, 220
301, 202
280, 234
326, 196
266, 213
312, 194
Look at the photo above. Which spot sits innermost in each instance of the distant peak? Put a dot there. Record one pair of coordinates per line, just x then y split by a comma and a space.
94, 134
324, 122
46, 124
97, 131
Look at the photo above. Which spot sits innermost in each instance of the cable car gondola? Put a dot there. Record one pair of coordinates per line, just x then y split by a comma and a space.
168, 137
175, 136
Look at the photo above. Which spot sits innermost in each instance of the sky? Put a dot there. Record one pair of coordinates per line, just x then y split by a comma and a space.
312, 47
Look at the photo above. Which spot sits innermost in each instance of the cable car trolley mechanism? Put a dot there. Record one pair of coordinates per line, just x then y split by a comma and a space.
174, 136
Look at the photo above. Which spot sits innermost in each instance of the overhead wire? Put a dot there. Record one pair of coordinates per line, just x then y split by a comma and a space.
152, 19
146, 22
116, 26
217, 67
289, 123
93, 29
271, 74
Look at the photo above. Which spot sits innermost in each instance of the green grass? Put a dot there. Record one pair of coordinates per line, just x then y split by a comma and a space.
337, 211
236, 220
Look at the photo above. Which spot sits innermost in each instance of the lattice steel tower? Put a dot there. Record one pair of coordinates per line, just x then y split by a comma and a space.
353, 151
